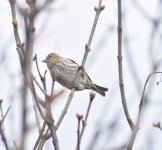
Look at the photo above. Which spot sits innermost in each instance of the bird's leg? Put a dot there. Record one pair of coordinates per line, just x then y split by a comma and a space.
81, 68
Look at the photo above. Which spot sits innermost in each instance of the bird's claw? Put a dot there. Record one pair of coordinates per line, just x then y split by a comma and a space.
81, 68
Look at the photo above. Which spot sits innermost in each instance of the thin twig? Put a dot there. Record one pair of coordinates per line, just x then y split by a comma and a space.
3, 137
54, 136
87, 50
36, 99
36, 115
26, 59
79, 117
36, 61
15, 25
48, 119
50, 122
84, 121
120, 67
5, 114
40, 136
136, 127
45, 137
65, 108
42, 78
37, 83
78, 135
92, 96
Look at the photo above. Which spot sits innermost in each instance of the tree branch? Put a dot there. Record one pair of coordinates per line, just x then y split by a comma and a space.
136, 127
120, 67
87, 50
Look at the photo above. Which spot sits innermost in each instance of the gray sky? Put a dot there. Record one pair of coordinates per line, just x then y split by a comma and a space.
64, 28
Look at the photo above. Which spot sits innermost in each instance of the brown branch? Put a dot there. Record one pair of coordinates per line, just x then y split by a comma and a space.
39, 86
87, 50
37, 115
36, 100
3, 117
79, 117
36, 61
3, 137
120, 67
44, 138
49, 118
65, 108
50, 122
40, 136
84, 121
42, 78
136, 127
15, 25
92, 96
26, 59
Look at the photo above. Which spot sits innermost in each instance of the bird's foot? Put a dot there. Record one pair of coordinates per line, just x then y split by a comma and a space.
81, 68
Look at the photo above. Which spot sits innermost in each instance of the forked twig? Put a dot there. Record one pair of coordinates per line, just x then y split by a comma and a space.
84, 121
92, 96
3, 137
25, 59
136, 127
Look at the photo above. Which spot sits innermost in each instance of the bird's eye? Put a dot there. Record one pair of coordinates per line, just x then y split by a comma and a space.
50, 55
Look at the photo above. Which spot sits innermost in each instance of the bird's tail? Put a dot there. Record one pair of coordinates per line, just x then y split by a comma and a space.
99, 89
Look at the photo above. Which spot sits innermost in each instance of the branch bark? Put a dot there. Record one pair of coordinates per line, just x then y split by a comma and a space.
141, 105
120, 67
87, 50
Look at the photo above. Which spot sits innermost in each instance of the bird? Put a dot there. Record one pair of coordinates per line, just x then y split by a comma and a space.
64, 71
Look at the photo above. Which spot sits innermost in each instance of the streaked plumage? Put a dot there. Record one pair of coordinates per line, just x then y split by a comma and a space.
64, 70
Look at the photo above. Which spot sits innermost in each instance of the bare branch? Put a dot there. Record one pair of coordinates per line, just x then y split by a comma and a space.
40, 136
120, 67
79, 117
87, 50
136, 127
92, 96
84, 121
26, 59
3, 137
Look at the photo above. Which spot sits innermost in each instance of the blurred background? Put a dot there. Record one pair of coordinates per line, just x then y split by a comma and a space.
64, 27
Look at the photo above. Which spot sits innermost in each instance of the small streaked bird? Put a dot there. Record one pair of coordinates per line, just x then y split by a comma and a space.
64, 70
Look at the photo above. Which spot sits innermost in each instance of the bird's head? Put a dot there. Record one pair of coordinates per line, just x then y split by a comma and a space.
51, 58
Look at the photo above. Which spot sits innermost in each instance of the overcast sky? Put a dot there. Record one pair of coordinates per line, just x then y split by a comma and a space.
64, 28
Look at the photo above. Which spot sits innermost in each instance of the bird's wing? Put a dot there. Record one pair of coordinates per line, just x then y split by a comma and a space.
72, 61
83, 73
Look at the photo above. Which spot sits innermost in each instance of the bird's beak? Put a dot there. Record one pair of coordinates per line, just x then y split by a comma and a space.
45, 61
